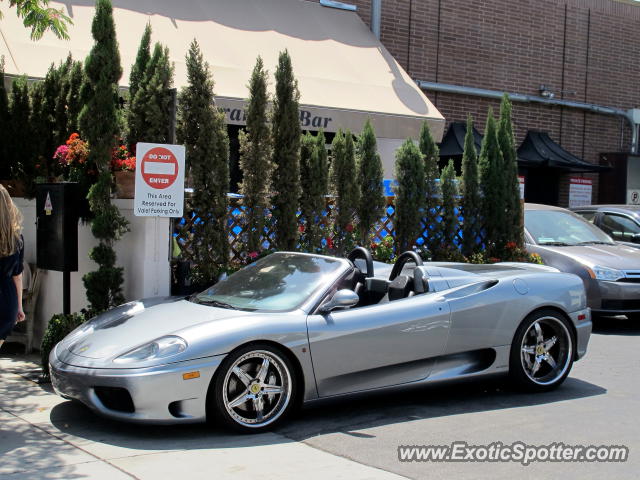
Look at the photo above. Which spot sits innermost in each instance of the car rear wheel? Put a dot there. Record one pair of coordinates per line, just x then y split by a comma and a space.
255, 388
542, 351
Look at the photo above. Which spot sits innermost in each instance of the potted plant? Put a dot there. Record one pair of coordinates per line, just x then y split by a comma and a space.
73, 165
123, 165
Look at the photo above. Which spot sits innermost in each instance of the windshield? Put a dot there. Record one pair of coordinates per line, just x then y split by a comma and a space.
279, 282
555, 227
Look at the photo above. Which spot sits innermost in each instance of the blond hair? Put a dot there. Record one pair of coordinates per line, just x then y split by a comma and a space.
10, 224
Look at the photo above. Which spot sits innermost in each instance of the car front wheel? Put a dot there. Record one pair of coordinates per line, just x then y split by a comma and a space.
255, 388
542, 352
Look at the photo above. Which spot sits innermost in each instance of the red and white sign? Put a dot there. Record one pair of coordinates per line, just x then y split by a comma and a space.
159, 180
159, 168
580, 191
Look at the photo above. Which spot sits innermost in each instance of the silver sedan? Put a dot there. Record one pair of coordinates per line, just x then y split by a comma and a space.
610, 271
294, 328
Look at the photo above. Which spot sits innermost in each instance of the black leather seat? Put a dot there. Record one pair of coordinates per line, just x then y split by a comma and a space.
400, 287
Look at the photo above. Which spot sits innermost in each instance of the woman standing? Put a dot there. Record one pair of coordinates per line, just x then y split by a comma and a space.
11, 257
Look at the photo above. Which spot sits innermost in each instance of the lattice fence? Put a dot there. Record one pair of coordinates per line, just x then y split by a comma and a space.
237, 237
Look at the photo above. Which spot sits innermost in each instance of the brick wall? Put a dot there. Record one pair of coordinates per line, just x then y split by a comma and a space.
583, 50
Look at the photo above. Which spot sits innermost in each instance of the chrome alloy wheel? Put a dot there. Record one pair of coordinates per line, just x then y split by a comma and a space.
546, 350
257, 389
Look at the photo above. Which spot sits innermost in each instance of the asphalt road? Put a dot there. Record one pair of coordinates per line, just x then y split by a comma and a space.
599, 404
43, 436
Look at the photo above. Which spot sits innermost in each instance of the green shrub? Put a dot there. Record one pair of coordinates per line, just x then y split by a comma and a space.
383, 251
59, 327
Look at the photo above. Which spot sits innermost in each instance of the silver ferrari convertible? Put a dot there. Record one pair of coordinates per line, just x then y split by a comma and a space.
293, 328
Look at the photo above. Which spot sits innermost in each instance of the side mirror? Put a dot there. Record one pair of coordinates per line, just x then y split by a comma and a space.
341, 299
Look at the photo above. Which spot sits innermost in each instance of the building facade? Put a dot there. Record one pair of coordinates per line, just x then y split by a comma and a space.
579, 50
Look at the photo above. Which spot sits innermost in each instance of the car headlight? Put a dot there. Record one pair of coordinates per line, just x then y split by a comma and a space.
605, 273
162, 347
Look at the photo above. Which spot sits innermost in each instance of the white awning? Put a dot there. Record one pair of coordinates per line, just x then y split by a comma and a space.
344, 73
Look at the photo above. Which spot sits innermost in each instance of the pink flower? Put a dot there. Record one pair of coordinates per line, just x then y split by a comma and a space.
253, 255
349, 227
61, 154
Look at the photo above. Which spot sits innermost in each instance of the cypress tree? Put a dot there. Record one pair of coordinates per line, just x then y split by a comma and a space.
157, 97
431, 155
135, 114
371, 203
5, 125
344, 179
255, 157
513, 206
142, 58
99, 125
202, 130
21, 151
323, 164
313, 181
491, 181
40, 129
449, 224
321, 181
471, 200
410, 197
51, 93
286, 154
60, 117
150, 112
74, 105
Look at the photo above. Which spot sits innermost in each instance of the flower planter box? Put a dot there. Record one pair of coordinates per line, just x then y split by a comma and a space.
125, 184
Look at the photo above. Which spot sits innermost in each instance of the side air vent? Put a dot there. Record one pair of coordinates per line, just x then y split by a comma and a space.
115, 398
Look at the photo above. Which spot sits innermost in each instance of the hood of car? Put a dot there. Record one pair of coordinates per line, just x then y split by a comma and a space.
129, 326
618, 256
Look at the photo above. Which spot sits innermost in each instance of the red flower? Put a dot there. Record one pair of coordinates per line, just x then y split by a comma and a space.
37, 166
511, 245
330, 243
301, 228
349, 227
374, 245
253, 255
72, 137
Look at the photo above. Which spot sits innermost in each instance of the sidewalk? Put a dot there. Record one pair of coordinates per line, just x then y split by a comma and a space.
43, 436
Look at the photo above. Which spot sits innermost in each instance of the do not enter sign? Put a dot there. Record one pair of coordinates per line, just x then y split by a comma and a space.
159, 180
159, 168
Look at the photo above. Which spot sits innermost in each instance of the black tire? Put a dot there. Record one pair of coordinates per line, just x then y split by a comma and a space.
228, 385
540, 366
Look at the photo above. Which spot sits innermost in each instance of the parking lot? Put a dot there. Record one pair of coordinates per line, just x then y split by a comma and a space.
44, 436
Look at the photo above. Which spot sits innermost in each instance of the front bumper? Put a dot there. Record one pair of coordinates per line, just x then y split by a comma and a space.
582, 323
616, 298
158, 394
